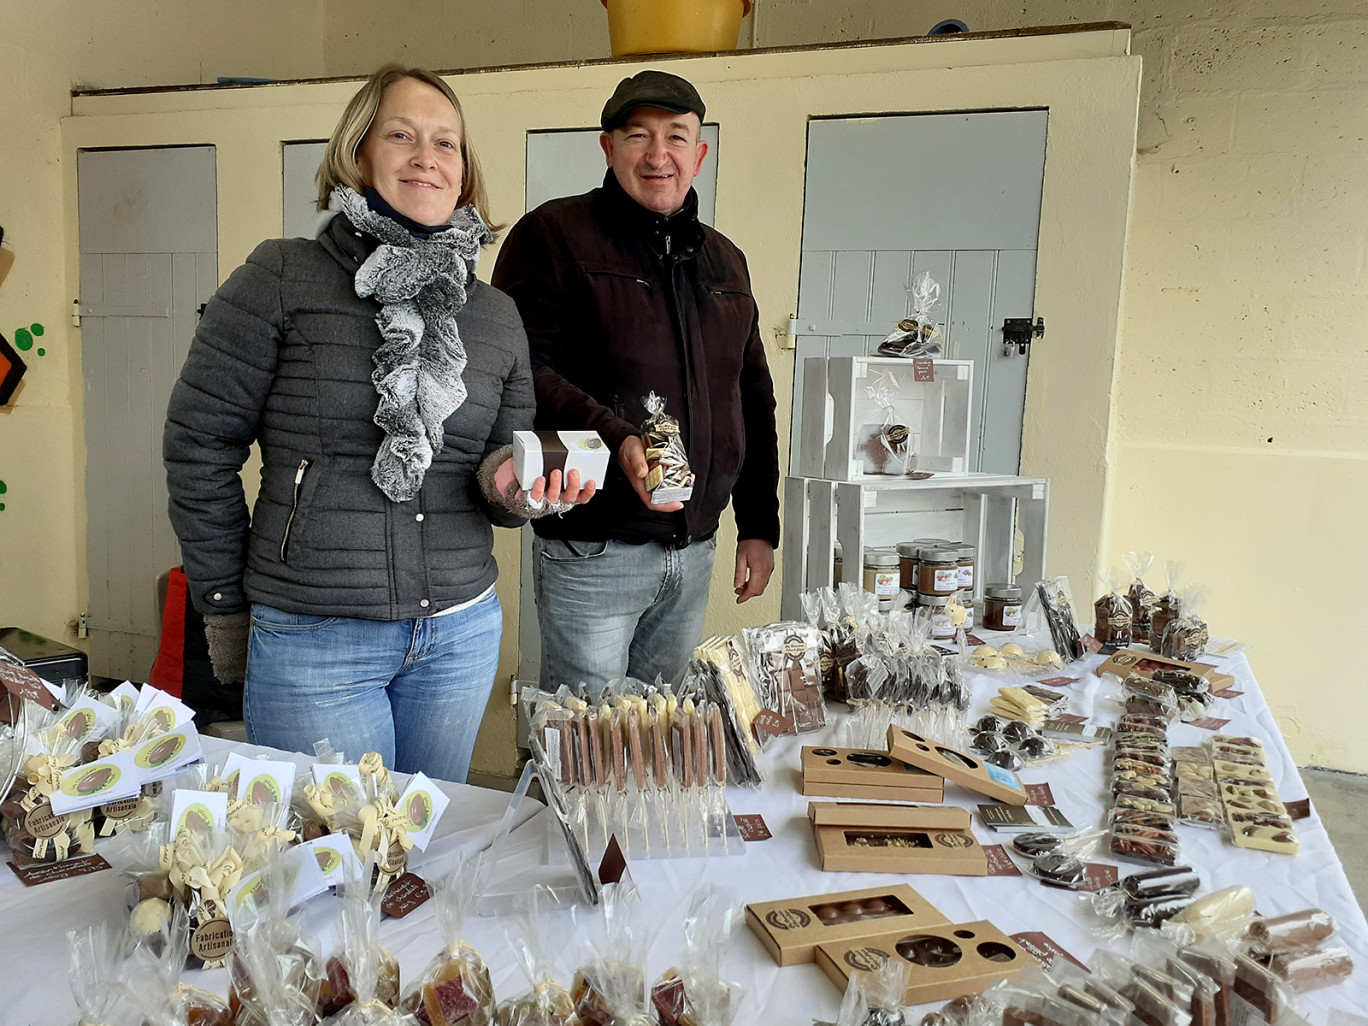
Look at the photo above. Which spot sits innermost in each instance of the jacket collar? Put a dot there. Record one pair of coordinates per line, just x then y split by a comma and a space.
680, 234
347, 244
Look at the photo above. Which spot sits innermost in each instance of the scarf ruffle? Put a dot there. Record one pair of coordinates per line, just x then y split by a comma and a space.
420, 284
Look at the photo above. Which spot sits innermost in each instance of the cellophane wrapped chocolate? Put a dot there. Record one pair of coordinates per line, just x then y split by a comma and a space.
916, 335
1112, 616
736, 708
454, 989
33, 832
786, 673
362, 984
98, 964
1297, 931
694, 994
153, 981
1186, 636
609, 987
548, 1003
1166, 607
875, 998
1142, 598
368, 814
669, 478
275, 977
1057, 603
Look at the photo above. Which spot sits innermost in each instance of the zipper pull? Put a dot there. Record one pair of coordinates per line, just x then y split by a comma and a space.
669, 239
299, 474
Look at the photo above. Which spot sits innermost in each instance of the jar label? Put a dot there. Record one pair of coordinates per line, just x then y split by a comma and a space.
941, 627
947, 580
1011, 614
885, 584
966, 576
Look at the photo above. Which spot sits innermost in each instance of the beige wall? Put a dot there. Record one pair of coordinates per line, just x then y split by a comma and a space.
1244, 302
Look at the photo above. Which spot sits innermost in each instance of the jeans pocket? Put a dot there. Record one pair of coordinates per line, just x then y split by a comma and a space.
558, 550
269, 618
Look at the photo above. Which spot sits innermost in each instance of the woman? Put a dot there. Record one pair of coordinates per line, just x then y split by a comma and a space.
383, 383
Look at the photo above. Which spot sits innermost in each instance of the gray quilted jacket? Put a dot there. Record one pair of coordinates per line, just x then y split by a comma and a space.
282, 357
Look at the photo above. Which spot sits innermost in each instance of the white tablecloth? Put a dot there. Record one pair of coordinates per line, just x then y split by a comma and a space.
34, 921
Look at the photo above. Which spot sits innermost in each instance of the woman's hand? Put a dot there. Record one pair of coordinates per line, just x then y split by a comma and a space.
569, 494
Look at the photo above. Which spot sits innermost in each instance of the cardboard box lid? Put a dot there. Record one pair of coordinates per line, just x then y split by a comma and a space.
899, 817
817, 765
966, 770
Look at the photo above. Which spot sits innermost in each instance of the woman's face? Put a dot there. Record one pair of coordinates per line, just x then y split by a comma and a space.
411, 154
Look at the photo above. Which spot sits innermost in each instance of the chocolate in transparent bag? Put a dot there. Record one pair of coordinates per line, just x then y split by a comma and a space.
1186, 635
548, 1003
609, 987
454, 989
97, 965
1112, 613
694, 994
362, 984
1297, 931
1142, 598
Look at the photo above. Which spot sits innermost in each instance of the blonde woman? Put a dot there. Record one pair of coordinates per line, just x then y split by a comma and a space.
382, 381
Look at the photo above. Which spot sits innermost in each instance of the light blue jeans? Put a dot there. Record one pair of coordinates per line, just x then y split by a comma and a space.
412, 690
609, 609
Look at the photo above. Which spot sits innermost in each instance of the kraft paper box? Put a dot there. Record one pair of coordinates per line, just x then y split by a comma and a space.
942, 961
859, 773
1129, 660
791, 928
966, 770
537, 453
857, 837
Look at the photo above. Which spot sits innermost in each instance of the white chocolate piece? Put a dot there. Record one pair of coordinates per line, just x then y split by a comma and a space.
984, 651
1011, 649
993, 662
1049, 657
149, 916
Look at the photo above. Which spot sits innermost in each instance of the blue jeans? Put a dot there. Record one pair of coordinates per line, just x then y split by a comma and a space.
412, 690
609, 609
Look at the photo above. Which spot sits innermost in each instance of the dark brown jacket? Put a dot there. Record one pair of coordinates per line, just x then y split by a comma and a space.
619, 301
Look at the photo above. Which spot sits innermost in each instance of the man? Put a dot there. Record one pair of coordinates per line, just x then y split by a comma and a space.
624, 292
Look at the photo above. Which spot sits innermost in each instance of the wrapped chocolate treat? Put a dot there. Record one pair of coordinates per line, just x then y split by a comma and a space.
548, 1003
1185, 636
153, 983
888, 446
1312, 970
33, 831
875, 997
362, 984
274, 976
695, 994
364, 804
1142, 598
609, 988
1298, 931
1112, 624
786, 674
1166, 607
97, 965
454, 989
1057, 603
917, 335
668, 478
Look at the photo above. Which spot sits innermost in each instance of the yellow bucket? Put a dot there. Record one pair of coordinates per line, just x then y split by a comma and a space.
674, 26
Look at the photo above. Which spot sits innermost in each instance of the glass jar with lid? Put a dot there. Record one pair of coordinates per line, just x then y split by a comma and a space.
942, 628
968, 554
1002, 606
937, 570
881, 576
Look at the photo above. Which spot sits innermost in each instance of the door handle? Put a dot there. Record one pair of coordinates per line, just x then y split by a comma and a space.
1018, 333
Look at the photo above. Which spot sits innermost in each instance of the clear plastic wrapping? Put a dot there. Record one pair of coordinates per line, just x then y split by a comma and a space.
1057, 604
548, 1003
454, 989
97, 965
1142, 598
1112, 616
362, 983
917, 335
1185, 635
669, 478
1297, 931
609, 987
695, 994
1167, 606
786, 674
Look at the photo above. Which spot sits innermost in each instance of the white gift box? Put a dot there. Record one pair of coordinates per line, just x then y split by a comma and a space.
537, 453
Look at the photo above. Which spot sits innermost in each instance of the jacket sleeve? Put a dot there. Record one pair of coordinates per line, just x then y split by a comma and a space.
517, 407
755, 496
211, 422
535, 269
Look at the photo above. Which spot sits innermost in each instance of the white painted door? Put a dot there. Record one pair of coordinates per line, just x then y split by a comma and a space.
955, 195
299, 189
149, 260
567, 163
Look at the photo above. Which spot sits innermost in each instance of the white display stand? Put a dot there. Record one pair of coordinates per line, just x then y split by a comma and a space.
987, 510
839, 433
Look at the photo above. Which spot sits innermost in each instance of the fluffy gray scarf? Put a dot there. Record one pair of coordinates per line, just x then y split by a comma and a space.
420, 284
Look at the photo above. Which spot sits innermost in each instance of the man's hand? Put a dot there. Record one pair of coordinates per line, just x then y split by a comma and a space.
632, 460
754, 564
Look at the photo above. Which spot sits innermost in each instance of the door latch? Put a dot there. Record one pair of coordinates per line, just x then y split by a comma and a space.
1019, 332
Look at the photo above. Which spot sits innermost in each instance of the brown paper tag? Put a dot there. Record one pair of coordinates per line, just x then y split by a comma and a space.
22, 682
974, 639
769, 724
923, 369
1299, 809
1070, 718
752, 827
121, 809
1058, 682
1099, 875
1209, 723
396, 858
1227, 693
35, 873
1044, 949
1039, 794
403, 895
919, 475
1092, 644
212, 940
41, 822
999, 862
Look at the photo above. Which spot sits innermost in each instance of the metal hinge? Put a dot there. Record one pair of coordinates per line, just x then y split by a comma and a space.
1018, 333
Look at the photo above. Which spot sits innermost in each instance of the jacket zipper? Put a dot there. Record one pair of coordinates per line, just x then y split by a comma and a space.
294, 506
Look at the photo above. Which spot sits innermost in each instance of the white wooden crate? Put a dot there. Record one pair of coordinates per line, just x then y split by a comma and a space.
840, 426
982, 509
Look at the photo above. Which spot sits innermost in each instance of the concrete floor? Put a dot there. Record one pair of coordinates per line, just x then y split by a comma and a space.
1339, 801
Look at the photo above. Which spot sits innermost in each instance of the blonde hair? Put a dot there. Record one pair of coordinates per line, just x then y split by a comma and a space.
339, 165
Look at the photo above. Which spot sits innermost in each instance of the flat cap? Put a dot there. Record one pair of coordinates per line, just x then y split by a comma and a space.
650, 89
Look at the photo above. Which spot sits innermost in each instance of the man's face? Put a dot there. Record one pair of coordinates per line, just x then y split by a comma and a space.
655, 155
